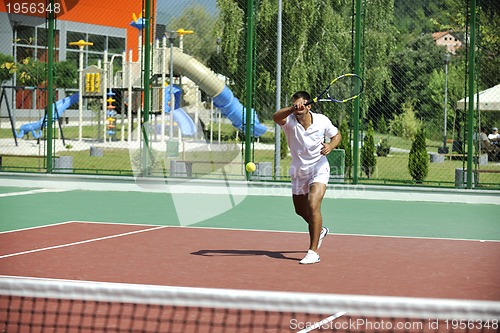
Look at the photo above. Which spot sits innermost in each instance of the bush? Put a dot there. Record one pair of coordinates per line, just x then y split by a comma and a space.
7, 67
405, 125
283, 145
418, 163
155, 162
66, 74
383, 148
368, 160
382, 125
31, 72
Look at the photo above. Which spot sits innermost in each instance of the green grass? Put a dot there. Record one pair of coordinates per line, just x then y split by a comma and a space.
392, 169
393, 141
5, 133
70, 132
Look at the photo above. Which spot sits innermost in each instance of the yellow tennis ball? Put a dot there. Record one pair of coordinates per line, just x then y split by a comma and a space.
250, 167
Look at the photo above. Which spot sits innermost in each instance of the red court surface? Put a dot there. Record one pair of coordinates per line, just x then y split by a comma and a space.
254, 260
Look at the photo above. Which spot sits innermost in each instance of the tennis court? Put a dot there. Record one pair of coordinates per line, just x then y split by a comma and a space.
425, 249
261, 260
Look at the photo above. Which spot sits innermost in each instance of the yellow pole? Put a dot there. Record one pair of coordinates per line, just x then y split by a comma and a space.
81, 44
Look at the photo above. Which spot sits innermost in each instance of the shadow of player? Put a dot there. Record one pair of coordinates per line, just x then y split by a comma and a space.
271, 254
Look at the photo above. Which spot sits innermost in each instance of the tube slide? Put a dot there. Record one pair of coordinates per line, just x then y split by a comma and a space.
223, 97
183, 120
36, 127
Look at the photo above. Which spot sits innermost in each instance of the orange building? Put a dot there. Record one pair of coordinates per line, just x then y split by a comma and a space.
106, 23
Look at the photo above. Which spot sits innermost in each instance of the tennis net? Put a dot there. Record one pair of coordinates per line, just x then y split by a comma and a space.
46, 305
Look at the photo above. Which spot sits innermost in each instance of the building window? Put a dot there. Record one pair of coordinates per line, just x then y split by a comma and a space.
24, 35
42, 37
116, 45
99, 42
24, 42
74, 36
94, 53
31, 42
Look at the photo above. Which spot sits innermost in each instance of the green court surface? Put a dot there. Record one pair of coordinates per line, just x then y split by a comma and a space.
31, 208
13, 189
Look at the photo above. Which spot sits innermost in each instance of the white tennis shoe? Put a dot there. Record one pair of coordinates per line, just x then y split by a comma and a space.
310, 258
322, 235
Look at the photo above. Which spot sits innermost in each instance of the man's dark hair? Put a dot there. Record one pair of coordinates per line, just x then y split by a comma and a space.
301, 94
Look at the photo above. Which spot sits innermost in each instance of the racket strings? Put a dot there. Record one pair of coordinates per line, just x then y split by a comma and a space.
345, 87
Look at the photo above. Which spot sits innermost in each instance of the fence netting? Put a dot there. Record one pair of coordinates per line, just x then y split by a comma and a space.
166, 93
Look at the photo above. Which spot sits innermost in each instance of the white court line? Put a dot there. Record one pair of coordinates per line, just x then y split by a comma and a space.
36, 227
81, 242
322, 322
42, 190
345, 235
156, 227
303, 232
76, 221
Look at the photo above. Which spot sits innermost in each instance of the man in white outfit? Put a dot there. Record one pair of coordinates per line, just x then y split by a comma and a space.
305, 132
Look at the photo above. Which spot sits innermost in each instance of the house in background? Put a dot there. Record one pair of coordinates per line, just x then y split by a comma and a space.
448, 39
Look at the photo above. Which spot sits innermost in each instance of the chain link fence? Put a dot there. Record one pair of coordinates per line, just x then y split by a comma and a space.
165, 95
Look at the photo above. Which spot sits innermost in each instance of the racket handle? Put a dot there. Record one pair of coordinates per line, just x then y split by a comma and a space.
309, 102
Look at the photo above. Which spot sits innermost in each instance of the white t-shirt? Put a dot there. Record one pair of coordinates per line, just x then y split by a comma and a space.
305, 145
494, 136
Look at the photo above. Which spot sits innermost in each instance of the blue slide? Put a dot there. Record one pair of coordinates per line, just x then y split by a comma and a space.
183, 120
36, 128
233, 110
216, 88
185, 123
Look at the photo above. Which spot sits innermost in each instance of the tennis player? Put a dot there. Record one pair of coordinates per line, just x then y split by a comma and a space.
305, 132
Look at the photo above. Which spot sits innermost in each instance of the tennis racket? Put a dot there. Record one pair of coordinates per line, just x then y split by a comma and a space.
342, 89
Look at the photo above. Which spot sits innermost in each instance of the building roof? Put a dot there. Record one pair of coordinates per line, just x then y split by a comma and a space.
448, 39
441, 34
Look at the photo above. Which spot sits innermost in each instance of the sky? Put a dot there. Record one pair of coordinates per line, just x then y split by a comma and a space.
173, 8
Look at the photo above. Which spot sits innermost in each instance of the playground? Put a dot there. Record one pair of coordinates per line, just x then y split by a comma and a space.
190, 110
180, 121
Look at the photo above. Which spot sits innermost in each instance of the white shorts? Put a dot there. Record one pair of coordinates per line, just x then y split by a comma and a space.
302, 183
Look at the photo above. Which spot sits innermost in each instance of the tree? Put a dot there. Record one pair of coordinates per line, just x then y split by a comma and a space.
316, 46
65, 74
488, 38
405, 125
368, 160
7, 67
411, 70
283, 145
378, 45
202, 43
31, 73
418, 162
455, 91
382, 125
383, 148
489, 44
414, 18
